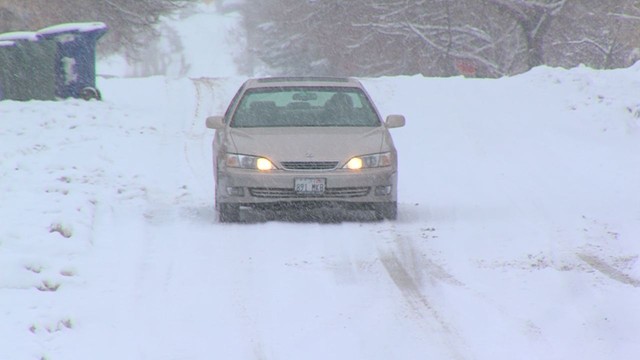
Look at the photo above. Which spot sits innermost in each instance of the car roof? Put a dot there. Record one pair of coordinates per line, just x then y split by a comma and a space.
302, 81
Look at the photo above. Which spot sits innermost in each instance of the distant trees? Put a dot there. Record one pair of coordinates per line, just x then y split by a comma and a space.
602, 34
440, 37
533, 20
488, 38
130, 21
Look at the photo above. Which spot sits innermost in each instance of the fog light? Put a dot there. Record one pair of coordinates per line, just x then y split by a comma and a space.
383, 190
235, 191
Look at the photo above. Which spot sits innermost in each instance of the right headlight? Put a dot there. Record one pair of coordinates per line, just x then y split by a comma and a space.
369, 161
249, 162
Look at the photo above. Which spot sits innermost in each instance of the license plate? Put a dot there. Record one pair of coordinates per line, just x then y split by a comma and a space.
310, 186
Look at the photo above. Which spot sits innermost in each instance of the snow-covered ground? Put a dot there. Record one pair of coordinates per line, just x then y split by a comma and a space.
518, 234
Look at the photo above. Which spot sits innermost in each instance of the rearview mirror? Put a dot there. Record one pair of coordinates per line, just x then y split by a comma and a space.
215, 122
394, 121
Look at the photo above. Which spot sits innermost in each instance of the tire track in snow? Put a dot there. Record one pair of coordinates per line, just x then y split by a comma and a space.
410, 289
608, 270
191, 101
211, 97
407, 281
407, 270
248, 322
195, 131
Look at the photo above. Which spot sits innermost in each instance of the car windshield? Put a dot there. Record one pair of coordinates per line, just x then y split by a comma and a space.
304, 106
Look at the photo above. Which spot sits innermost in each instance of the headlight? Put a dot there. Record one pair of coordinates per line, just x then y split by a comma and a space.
249, 162
369, 161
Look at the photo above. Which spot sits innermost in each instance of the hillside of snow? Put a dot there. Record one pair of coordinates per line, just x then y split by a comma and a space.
518, 234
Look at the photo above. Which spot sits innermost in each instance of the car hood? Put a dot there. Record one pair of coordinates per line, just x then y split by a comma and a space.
308, 143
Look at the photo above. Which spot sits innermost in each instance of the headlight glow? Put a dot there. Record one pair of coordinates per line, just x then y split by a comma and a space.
369, 161
249, 162
354, 164
264, 164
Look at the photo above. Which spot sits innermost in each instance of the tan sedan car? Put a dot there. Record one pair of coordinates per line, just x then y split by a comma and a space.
301, 143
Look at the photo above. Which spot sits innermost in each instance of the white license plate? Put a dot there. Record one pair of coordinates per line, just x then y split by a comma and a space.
310, 186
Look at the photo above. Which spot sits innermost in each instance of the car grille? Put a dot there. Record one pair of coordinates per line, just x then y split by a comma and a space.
309, 165
280, 193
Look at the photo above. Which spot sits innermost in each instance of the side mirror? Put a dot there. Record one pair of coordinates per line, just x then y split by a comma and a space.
215, 122
394, 121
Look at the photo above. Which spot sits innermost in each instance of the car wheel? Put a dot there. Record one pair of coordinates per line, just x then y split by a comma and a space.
388, 211
89, 93
228, 213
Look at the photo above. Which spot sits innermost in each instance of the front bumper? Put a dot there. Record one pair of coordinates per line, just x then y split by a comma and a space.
343, 187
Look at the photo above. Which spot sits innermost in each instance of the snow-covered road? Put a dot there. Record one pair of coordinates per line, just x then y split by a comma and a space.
518, 231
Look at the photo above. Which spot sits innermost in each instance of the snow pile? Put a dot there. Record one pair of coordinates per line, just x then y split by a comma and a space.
19, 35
517, 237
72, 28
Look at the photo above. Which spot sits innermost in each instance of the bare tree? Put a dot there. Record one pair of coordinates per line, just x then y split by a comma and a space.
441, 37
130, 21
534, 18
447, 37
598, 33
380, 37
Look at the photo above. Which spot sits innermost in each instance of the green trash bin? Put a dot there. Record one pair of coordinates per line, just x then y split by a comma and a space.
27, 70
6, 51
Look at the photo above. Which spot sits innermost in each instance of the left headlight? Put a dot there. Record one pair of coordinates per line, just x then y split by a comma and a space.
249, 162
369, 161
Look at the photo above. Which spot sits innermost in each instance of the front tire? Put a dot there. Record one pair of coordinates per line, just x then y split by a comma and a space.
386, 211
228, 213
89, 93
